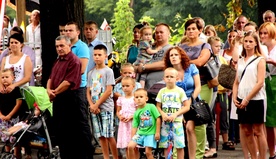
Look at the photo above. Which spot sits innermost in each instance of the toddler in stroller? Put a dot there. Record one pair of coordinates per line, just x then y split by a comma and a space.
33, 132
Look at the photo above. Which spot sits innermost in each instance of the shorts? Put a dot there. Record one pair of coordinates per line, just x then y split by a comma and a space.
103, 125
177, 132
253, 113
144, 140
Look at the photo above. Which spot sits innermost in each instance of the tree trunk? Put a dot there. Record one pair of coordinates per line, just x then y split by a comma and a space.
264, 5
53, 13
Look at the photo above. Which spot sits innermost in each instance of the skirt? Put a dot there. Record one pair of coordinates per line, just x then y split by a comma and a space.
253, 113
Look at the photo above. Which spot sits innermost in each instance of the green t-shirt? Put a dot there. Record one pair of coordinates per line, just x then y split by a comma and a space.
145, 119
171, 100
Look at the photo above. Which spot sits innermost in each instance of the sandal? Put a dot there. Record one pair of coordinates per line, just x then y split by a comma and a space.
228, 145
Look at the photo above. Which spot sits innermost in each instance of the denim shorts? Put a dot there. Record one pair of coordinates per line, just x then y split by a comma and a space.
103, 124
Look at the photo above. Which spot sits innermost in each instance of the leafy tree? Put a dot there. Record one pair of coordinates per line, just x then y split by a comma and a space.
122, 24
98, 10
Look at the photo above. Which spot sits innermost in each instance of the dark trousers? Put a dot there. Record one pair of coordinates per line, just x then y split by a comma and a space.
86, 135
68, 128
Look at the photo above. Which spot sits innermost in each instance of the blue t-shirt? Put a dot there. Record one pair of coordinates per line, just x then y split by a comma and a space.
188, 83
81, 50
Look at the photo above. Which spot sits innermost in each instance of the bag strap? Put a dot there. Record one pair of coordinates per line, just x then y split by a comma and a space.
211, 55
247, 65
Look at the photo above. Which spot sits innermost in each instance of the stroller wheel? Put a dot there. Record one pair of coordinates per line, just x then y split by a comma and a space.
54, 155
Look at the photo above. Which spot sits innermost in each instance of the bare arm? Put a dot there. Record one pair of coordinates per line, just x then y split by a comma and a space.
84, 62
202, 59
104, 96
260, 80
185, 108
235, 90
149, 67
197, 86
2, 68
133, 131
151, 51
163, 114
62, 87
28, 70
158, 127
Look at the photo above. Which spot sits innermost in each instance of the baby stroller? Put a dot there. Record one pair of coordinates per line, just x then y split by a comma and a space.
36, 132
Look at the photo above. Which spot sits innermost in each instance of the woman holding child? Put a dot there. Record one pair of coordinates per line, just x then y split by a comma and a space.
189, 81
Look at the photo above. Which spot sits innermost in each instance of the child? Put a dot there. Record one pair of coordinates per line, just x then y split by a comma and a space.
221, 101
145, 49
127, 70
125, 110
11, 107
172, 103
146, 125
99, 95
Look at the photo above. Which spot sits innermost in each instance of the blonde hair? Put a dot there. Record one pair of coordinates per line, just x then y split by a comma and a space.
142, 90
211, 28
171, 69
212, 39
129, 79
126, 65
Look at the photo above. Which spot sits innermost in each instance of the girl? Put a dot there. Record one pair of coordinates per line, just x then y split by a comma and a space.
11, 107
125, 111
127, 70
249, 95
210, 30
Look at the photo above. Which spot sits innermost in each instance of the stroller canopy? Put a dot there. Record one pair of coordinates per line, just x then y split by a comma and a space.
38, 95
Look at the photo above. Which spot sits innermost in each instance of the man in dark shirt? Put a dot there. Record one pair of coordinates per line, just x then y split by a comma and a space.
62, 85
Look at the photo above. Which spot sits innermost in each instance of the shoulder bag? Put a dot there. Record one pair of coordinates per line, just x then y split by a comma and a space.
226, 75
212, 69
202, 111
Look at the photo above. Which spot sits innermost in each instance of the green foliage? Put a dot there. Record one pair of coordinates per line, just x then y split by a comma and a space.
122, 24
147, 19
178, 32
98, 10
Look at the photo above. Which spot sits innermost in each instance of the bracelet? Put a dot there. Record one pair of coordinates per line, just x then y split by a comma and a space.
246, 100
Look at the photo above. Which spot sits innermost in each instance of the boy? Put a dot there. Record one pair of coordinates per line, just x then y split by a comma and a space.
146, 125
172, 103
99, 96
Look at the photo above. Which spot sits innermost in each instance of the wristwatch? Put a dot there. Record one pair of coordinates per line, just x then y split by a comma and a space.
143, 68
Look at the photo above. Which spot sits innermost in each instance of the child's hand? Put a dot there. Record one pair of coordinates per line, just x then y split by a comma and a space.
165, 117
93, 109
157, 136
172, 117
128, 119
9, 88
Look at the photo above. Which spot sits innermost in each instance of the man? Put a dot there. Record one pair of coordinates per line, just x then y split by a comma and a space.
154, 69
34, 37
81, 50
90, 33
269, 16
241, 21
62, 85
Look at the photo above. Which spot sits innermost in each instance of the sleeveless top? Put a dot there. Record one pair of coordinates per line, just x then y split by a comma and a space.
18, 68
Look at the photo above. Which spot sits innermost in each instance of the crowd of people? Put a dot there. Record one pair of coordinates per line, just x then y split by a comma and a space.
82, 87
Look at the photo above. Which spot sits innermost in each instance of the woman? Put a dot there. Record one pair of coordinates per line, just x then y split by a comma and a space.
133, 48
25, 49
267, 33
199, 53
189, 80
228, 53
19, 62
249, 95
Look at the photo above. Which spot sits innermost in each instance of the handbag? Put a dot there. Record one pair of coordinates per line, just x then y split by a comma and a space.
212, 69
202, 111
226, 76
